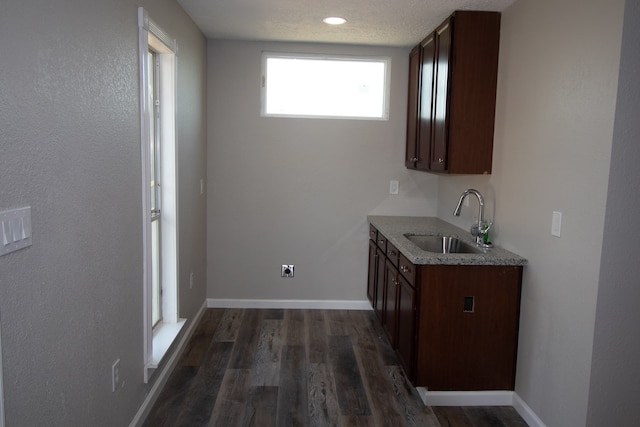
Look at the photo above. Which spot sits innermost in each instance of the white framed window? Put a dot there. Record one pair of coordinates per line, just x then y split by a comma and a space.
159, 191
322, 86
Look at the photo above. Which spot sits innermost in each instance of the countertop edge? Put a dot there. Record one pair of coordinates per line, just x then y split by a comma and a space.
395, 227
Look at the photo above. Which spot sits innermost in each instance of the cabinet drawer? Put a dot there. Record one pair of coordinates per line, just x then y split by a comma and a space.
408, 270
392, 254
373, 233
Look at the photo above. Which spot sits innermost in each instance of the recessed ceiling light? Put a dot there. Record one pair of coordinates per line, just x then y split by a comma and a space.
334, 20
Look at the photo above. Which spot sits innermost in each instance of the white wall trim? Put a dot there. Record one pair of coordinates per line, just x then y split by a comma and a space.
526, 412
163, 375
296, 304
1, 389
466, 398
481, 398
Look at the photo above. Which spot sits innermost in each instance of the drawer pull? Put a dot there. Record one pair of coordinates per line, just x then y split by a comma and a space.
393, 253
381, 241
405, 269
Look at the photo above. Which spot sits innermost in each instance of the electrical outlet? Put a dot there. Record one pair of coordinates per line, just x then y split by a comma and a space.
116, 379
287, 270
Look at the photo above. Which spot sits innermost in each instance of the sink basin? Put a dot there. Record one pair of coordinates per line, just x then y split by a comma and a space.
442, 244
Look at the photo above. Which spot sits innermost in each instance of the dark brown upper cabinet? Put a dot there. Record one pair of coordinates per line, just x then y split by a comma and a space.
452, 95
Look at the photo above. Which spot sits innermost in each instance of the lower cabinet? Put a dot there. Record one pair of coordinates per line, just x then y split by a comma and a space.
468, 327
453, 327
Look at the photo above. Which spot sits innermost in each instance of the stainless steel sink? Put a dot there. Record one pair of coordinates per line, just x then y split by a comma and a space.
442, 244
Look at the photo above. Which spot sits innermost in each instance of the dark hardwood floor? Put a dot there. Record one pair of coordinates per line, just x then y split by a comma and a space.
249, 367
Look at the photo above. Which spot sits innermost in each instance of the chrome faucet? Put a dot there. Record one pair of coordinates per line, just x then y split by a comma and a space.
480, 229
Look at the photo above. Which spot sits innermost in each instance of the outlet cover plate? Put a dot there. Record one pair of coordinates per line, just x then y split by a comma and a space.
287, 270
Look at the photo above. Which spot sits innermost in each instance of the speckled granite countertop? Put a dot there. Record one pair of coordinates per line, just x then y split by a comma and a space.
394, 228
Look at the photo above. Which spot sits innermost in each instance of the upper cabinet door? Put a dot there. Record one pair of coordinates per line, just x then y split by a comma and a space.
425, 128
456, 98
438, 155
413, 107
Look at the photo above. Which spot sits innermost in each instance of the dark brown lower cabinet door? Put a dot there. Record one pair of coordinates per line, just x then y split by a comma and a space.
406, 326
373, 271
468, 323
379, 285
390, 323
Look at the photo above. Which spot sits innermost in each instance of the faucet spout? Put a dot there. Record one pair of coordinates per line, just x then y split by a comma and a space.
480, 231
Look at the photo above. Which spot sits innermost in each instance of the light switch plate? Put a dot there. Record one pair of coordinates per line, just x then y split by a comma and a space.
393, 187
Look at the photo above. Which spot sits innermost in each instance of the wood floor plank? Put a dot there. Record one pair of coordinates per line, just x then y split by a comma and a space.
295, 327
483, 416
359, 329
203, 391
292, 394
351, 394
509, 416
324, 409
316, 336
262, 407
385, 352
451, 416
229, 325
244, 349
273, 313
338, 322
229, 409
171, 400
407, 399
201, 339
357, 421
266, 362
378, 386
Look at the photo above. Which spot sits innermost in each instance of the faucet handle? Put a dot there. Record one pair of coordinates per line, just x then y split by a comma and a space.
480, 231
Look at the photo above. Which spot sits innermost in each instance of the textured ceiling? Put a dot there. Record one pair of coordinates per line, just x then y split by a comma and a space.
369, 22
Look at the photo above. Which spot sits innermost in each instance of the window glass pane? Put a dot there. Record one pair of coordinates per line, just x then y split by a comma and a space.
152, 128
156, 311
325, 87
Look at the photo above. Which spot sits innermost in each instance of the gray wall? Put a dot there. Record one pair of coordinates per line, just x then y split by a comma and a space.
70, 148
297, 191
557, 88
615, 376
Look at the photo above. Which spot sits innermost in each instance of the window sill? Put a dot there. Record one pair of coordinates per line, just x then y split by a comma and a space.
163, 336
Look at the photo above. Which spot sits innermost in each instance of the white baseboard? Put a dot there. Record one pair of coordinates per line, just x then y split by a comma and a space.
481, 398
296, 304
466, 398
526, 412
163, 375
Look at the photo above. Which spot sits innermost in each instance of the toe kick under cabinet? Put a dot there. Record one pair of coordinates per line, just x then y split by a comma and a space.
454, 327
